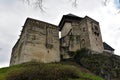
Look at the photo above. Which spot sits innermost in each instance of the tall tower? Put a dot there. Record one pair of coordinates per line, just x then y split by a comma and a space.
77, 33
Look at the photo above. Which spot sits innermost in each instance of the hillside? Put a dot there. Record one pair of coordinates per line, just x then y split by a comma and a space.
83, 65
104, 65
52, 71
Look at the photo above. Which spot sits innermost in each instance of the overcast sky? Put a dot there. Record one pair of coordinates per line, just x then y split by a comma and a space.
13, 14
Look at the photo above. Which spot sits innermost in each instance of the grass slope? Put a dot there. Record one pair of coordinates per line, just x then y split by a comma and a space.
40, 71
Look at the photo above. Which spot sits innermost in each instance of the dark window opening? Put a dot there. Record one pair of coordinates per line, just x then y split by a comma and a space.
83, 29
96, 33
48, 51
96, 28
83, 41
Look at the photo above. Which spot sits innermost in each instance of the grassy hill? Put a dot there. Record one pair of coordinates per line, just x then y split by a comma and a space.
83, 65
52, 71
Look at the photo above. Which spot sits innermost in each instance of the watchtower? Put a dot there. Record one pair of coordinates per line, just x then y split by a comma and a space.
78, 33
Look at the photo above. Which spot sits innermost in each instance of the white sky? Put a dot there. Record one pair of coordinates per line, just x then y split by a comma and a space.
13, 14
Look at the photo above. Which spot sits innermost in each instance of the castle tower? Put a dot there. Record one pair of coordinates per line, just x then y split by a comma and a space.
77, 33
39, 41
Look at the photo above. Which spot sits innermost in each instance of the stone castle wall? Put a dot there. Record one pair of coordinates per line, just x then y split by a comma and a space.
95, 35
85, 33
39, 41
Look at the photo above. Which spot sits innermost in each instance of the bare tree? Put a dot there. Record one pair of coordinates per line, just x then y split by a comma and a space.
36, 3
39, 3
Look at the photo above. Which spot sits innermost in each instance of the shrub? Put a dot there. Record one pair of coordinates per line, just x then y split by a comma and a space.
44, 72
80, 54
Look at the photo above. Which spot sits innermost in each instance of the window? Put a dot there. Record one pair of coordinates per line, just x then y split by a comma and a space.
83, 43
96, 28
83, 29
96, 33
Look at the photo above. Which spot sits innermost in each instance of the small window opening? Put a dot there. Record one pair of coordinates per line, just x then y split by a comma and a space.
96, 28
83, 29
83, 41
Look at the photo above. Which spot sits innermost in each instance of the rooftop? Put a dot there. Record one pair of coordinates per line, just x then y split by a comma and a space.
107, 47
67, 18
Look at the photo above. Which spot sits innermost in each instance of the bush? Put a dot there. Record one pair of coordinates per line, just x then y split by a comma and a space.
106, 66
44, 72
80, 54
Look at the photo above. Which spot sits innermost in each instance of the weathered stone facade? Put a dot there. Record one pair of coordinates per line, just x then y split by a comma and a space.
39, 41
77, 33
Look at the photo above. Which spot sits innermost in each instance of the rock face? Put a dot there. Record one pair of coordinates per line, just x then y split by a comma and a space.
106, 66
39, 41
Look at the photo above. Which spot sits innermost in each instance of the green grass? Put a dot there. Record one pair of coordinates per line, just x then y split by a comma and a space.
40, 71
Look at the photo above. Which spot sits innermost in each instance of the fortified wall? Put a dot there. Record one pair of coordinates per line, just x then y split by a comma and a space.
39, 41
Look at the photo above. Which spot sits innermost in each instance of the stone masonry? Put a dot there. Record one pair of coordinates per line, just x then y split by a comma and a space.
78, 33
39, 41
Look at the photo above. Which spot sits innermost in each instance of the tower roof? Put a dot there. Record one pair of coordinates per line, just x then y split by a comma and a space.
68, 18
107, 47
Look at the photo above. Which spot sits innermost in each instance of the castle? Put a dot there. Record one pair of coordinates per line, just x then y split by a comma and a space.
39, 41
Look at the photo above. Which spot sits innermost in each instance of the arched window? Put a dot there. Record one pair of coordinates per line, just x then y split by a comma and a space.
83, 43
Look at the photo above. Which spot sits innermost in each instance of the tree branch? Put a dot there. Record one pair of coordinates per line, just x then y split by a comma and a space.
36, 3
75, 3
39, 4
